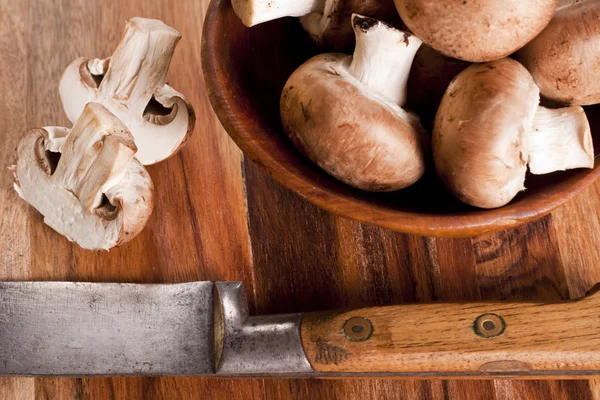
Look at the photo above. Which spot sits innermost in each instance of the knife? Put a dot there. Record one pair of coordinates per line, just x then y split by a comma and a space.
203, 329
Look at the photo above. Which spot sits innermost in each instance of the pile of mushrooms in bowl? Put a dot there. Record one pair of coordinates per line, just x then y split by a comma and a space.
428, 117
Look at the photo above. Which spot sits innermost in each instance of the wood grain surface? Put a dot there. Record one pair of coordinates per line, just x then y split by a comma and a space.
217, 217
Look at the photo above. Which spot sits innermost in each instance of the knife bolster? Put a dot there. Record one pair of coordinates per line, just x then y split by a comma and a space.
255, 346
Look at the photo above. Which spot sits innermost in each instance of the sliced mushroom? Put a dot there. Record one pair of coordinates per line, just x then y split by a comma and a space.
327, 21
477, 31
490, 127
563, 59
131, 84
86, 183
345, 112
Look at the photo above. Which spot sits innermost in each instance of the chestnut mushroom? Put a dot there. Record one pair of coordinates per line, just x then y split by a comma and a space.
477, 31
131, 84
327, 21
430, 75
563, 59
490, 127
86, 182
345, 112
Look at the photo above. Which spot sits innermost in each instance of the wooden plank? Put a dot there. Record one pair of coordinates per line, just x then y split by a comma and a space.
17, 388
521, 264
355, 389
578, 233
15, 217
304, 259
15, 257
559, 390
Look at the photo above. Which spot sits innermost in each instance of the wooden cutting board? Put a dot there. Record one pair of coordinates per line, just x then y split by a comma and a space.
218, 218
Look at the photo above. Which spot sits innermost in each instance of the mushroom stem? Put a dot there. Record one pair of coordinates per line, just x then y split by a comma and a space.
383, 57
94, 156
254, 12
561, 139
316, 22
140, 64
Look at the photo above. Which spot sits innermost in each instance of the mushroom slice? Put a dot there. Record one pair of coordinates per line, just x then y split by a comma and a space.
563, 59
490, 127
345, 112
327, 21
131, 84
478, 31
86, 183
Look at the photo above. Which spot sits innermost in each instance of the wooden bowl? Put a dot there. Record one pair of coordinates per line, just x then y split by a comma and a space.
245, 71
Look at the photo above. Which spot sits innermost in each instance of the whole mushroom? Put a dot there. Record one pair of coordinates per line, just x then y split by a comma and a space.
327, 21
131, 84
429, 78
477, 31
490, 127
563, 59
86, 182
345, 112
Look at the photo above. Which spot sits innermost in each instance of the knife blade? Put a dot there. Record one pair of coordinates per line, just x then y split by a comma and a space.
203, 329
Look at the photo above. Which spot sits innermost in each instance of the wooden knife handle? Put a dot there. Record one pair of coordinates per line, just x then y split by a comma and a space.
476, 340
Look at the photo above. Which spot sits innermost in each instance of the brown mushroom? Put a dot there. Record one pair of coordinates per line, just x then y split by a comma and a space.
477, 31
131, 84
86, 182
327, 21
429, 78
345, 112
490, 127
563, 59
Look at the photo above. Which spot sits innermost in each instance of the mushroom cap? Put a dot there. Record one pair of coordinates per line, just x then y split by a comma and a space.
161, 126
480, 134
355, 135
333, 29
563, 58
123, 181
477, 31
430, 75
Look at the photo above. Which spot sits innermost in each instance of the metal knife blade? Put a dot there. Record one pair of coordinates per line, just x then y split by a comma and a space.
55, 328
83, 329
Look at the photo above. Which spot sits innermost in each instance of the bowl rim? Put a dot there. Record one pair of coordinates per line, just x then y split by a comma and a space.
466, 224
